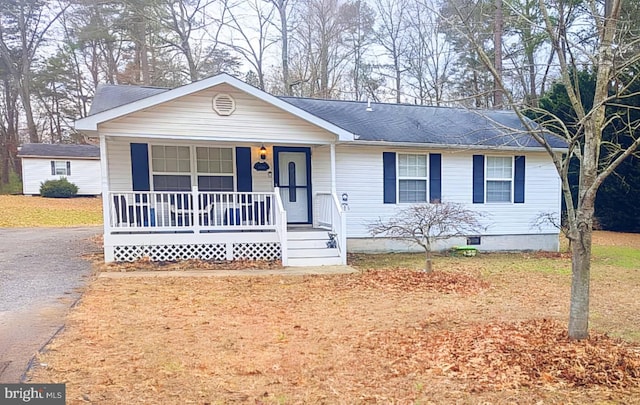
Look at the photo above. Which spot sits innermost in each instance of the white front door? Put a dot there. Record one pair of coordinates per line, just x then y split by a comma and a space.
292, 180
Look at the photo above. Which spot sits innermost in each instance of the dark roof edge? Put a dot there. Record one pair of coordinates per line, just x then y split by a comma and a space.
426, 145
59, 157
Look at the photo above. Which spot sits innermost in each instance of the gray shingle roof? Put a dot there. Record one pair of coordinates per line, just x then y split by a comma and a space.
393, 123
110, 96
406, 123
59, 150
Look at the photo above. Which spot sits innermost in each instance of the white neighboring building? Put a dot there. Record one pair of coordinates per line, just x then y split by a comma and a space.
80, 164
220, 170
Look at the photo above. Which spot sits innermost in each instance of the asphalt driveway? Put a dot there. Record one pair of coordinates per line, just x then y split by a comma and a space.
42, 274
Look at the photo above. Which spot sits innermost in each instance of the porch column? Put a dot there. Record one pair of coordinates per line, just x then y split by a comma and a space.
106, 206
106, 200
333, 168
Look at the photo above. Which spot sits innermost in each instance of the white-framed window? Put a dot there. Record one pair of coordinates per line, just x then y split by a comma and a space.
412, 178
171, 167
499, 179
214, 166
60, 168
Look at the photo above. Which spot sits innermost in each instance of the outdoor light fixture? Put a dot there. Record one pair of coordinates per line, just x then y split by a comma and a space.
261, 165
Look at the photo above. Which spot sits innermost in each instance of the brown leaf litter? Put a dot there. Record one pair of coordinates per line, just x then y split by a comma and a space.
400, 279
509, 355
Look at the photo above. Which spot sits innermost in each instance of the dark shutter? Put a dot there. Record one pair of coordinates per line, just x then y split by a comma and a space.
478, 179
389, 174
518, 189
244, 181
140, 167
68, 168
435, 177
53, 168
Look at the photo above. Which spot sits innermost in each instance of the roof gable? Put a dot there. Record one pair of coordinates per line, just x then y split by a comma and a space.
136, 100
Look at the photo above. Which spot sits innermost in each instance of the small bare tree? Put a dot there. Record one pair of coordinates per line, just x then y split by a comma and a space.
426, 224
546, 218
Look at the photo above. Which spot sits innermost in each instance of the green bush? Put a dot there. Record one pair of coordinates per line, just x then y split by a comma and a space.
58, 188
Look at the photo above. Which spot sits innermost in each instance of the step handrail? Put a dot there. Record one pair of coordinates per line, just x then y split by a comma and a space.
281, 226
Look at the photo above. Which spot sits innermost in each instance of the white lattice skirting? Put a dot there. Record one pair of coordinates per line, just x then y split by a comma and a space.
214, 252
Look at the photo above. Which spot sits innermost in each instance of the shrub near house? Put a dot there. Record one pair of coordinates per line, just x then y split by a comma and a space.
58, 189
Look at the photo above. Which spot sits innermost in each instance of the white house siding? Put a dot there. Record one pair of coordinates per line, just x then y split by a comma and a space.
509, 226
85, 173
192, 116
119, 161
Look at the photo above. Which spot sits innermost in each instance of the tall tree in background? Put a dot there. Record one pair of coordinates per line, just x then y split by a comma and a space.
498, 27
249, 33
525, 22
183, 20
430, 57
393, 21
359, 38
9, 120
283, 6
24, 25
321, 55
473, 83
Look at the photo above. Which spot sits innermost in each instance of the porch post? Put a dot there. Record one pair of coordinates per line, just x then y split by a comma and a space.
195, 209
333, 168
106, 199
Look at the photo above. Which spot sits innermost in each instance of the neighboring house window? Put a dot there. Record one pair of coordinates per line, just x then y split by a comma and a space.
60, 168
215, 169
412, 178
499, 178
171, 166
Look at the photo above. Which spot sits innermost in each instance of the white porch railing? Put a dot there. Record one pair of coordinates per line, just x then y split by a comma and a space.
332, 217
281, 227
191, 211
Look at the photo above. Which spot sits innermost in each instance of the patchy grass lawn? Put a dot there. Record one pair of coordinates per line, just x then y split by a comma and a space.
488, 329
25, 211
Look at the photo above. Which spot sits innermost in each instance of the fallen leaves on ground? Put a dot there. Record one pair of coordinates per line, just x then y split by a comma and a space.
192, 264
400, 279
548, 255
331, 339
509, 355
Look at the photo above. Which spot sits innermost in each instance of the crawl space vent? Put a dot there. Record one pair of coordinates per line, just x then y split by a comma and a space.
224, 104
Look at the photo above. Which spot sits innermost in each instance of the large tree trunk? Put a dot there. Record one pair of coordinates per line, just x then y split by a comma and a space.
582, 227
581, 270
282, 9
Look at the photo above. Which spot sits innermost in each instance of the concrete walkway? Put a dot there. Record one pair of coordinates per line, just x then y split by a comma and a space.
287, 271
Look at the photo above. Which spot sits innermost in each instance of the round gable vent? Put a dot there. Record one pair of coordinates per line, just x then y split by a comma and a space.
224, 104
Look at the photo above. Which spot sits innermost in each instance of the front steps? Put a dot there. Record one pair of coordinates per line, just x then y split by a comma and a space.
308, 247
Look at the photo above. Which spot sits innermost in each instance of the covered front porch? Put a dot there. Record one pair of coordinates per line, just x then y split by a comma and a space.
170, 200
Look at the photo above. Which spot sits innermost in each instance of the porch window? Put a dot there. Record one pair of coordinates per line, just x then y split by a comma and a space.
171, 167
412, 178
215, 169
499, 178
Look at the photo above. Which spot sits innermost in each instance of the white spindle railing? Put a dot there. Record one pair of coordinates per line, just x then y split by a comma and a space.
332, 217
281, 227
191, 211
